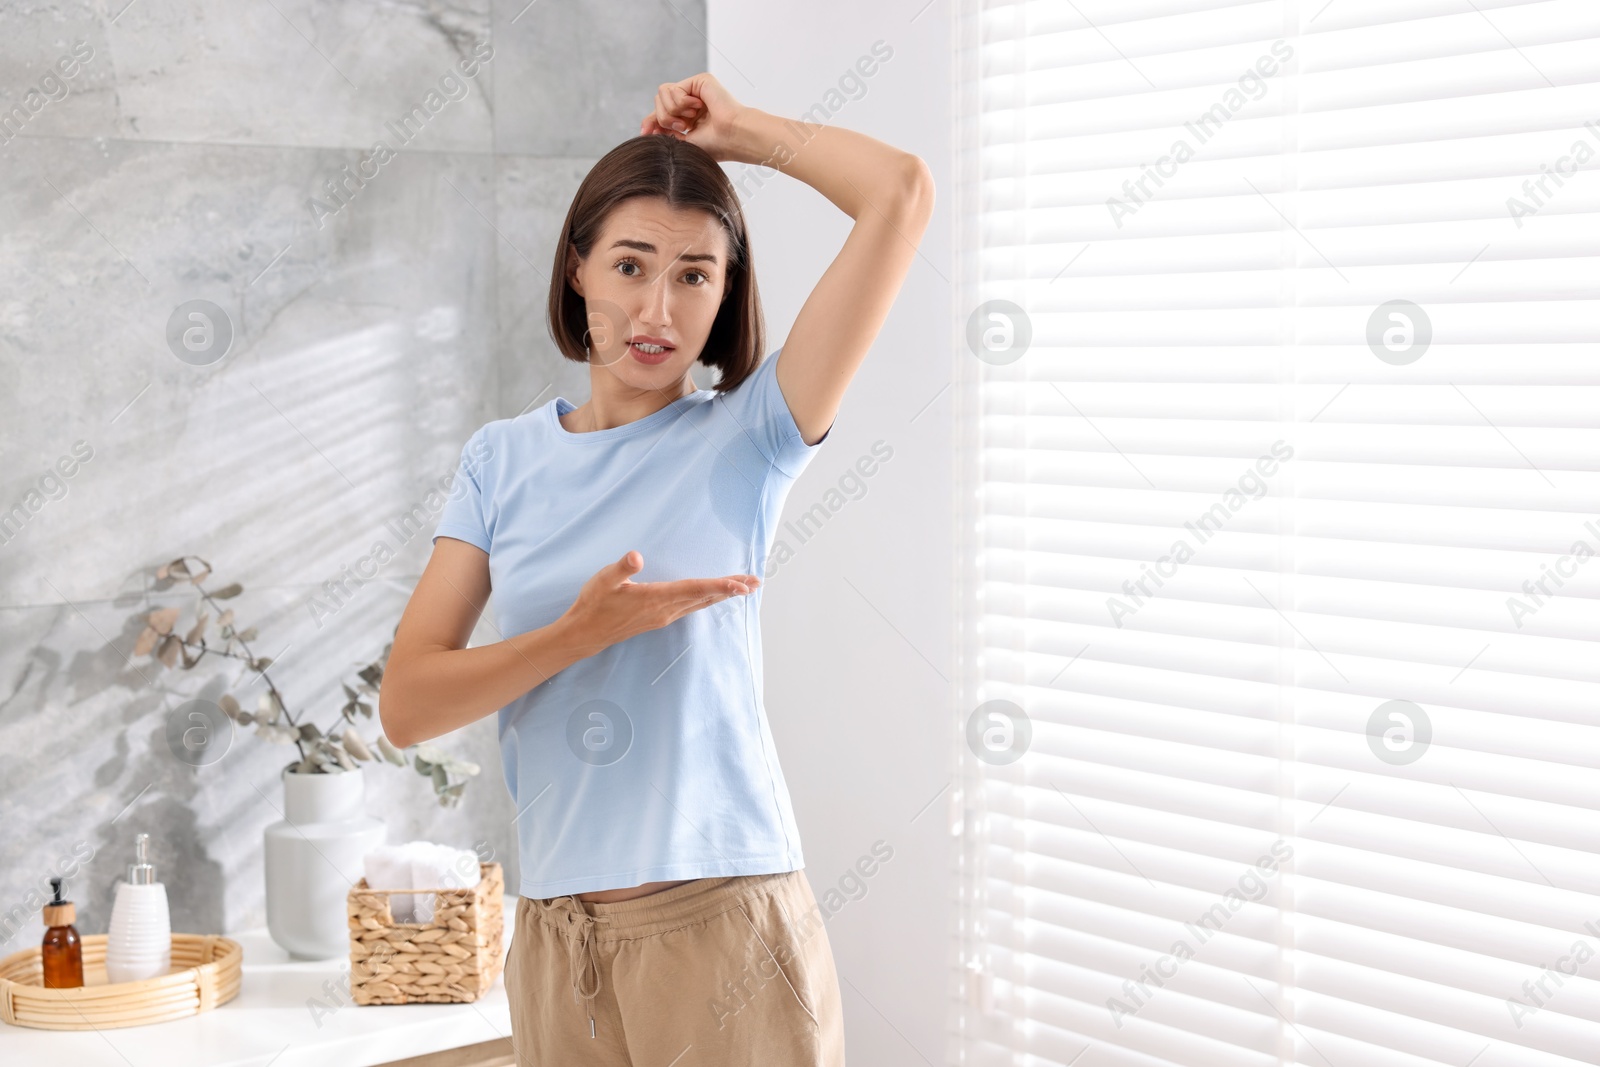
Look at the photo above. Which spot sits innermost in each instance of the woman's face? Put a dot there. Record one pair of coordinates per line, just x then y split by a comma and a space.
658, 272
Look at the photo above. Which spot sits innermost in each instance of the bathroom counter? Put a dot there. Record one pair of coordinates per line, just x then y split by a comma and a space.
275, 1020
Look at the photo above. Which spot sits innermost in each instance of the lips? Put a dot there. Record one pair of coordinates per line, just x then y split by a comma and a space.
659, 355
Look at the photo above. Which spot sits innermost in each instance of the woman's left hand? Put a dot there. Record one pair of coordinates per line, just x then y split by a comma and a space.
698, 110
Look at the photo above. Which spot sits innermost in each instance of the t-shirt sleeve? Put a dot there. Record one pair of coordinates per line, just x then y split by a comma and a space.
761, 409
462, 516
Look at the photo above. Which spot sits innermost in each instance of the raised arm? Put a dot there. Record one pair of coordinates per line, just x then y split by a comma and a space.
888, 192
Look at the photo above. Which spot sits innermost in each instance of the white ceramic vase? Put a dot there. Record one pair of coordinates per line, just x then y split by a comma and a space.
313, 857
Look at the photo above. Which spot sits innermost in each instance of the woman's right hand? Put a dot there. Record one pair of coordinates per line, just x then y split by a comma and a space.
611, 607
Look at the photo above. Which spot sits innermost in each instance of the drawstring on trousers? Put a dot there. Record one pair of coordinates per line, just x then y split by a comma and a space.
580, 946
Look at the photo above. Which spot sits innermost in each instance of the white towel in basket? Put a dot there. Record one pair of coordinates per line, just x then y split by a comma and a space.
389, 867
419, 865
440, 867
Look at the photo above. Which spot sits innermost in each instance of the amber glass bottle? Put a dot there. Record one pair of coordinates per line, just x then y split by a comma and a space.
62, 952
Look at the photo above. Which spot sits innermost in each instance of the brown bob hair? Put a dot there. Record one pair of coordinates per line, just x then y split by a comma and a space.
685, 176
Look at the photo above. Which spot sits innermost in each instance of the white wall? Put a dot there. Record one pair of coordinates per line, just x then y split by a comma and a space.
858, 625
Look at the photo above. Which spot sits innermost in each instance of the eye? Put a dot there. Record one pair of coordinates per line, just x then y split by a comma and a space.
631, 262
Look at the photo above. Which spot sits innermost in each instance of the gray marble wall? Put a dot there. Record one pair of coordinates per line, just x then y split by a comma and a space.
156, 154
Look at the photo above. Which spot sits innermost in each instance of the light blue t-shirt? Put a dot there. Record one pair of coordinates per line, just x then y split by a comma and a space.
651, 760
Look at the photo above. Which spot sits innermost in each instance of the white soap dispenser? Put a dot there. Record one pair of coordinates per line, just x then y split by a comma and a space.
139, 944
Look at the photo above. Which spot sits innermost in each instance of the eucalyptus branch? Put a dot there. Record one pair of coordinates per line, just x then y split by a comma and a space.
249, 657
321, 751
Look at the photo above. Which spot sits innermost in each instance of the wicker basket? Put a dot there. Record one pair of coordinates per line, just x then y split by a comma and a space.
452, 960
205, 973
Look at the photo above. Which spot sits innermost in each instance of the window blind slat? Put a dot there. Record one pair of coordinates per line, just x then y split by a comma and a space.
1377, 653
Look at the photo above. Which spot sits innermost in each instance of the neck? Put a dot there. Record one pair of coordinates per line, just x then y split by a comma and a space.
613, 403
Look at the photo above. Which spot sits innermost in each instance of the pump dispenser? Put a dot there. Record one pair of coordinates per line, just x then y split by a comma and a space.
61, 954
139, 944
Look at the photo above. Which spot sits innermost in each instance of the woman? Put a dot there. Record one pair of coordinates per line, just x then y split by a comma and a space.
660, 875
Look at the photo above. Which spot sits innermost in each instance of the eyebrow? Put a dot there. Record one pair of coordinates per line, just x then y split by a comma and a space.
646, 246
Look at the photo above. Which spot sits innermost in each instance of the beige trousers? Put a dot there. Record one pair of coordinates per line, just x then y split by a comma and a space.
731, 970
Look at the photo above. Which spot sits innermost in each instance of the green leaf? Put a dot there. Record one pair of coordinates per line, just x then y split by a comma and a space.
390, 753
228, 591
441, 780
276, 733
309, 732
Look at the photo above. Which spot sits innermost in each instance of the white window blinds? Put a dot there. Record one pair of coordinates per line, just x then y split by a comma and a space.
1281, 533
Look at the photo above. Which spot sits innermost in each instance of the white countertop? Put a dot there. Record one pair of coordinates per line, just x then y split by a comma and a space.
270, 1022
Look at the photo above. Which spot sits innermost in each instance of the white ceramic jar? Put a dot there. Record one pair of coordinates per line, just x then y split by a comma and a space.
313, 857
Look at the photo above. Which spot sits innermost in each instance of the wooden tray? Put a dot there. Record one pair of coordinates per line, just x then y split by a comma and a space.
205, 973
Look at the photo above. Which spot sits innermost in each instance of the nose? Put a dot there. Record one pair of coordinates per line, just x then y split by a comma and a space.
656, 312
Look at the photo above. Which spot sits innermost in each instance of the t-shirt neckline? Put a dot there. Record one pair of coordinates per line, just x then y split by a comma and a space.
560, 405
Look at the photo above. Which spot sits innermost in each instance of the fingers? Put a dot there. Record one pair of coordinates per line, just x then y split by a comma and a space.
698, 590
715, 592
679, 107
676, 110
683, 107
732, 585
685, 590
663, 115
688, 112
650, 125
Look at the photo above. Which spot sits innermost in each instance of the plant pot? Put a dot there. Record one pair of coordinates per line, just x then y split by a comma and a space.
313, 857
